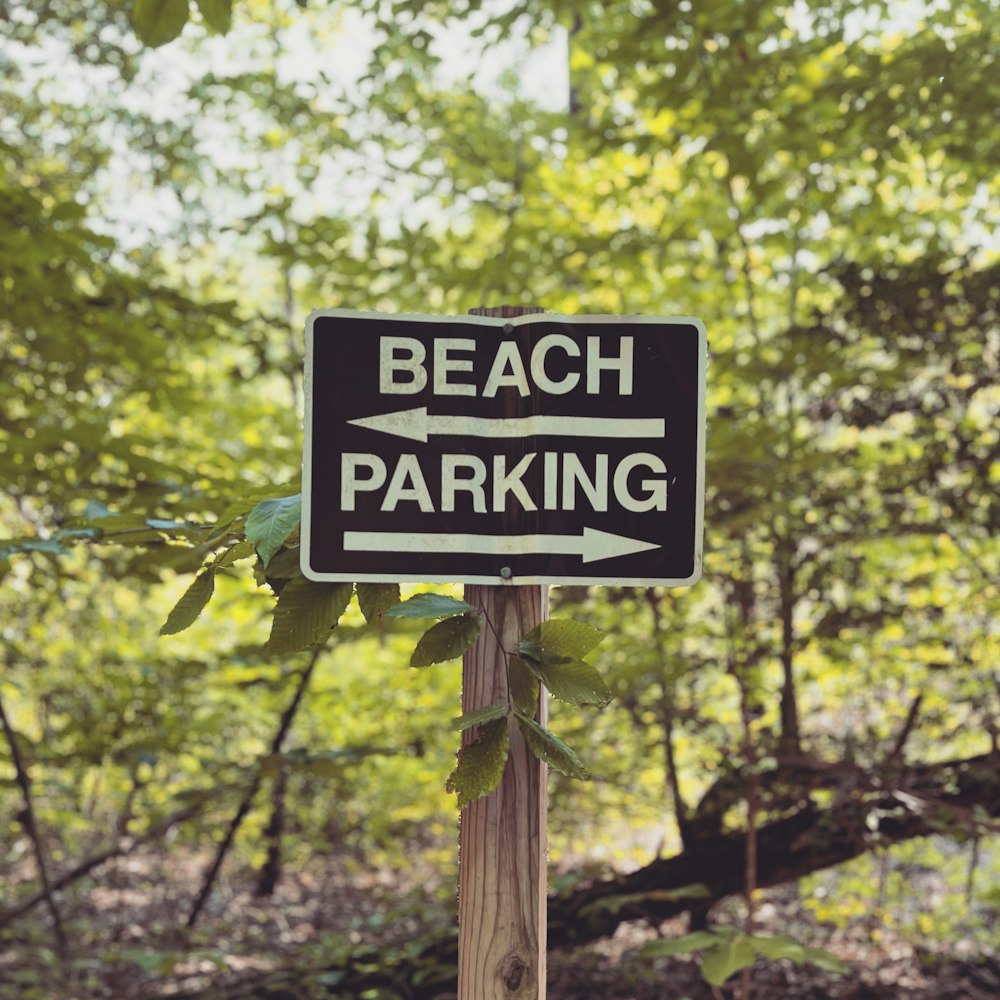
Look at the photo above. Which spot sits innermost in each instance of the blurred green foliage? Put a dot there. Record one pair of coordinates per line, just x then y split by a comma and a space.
816, 182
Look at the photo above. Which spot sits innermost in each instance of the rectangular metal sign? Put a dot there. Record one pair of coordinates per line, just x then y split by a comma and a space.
472, 449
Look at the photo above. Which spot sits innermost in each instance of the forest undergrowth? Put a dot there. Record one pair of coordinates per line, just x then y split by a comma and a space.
126, 940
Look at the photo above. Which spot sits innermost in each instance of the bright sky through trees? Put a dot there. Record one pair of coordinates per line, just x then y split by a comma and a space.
323, 66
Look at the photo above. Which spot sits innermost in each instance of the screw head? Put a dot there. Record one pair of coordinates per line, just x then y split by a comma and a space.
506, 572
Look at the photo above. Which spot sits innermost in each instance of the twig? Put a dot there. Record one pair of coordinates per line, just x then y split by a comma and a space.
667, 717
124, 846
28, 821
496, 634
904, 734
250, 794
753, 794
970, 882
750, 876
746, 269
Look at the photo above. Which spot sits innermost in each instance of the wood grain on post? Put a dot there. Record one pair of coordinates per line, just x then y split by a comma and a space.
503, 839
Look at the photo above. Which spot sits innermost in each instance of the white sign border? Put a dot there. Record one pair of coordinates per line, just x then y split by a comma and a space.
496, 321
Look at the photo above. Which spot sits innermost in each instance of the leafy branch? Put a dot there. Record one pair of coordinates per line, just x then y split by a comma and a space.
550, 654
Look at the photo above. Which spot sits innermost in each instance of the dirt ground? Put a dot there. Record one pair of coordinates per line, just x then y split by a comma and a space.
125, 940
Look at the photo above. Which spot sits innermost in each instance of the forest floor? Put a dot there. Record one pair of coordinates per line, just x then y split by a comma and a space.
126, 940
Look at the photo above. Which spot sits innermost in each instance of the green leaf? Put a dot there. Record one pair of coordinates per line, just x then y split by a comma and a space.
824, 960
160, 962
95, 510
726, 958
684, 945
161, 524
778, 946
157, 22
559, 639
13, 546
75, 534
375, 599
67, 211
218, 14
429, 606
446, 640
284, 565
553, 650
480, 764
479, 715
305, 613
241, 550
573, 681
243, 503
271, 522
522, 684
186, 611
130, 525
549, 748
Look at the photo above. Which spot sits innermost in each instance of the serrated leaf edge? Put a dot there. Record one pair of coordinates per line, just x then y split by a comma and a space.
187, 609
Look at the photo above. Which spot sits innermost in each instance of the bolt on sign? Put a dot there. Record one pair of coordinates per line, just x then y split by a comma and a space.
540, 449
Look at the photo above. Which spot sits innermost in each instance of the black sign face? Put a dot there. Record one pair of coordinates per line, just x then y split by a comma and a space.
541, 449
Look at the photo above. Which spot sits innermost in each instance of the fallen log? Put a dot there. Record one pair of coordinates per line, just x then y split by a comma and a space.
867, 811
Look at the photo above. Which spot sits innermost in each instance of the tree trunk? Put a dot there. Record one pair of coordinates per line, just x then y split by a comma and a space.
270, 871
789, 740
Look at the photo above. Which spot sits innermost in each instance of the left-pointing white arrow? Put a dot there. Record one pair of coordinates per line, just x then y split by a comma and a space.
591, 544
417, 425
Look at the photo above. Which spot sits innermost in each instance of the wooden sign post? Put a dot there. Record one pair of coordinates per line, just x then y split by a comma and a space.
509, 452
502, 838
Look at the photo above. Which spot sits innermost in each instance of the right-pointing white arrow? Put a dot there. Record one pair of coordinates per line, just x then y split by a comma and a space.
591, 545
417, 425
604, 545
